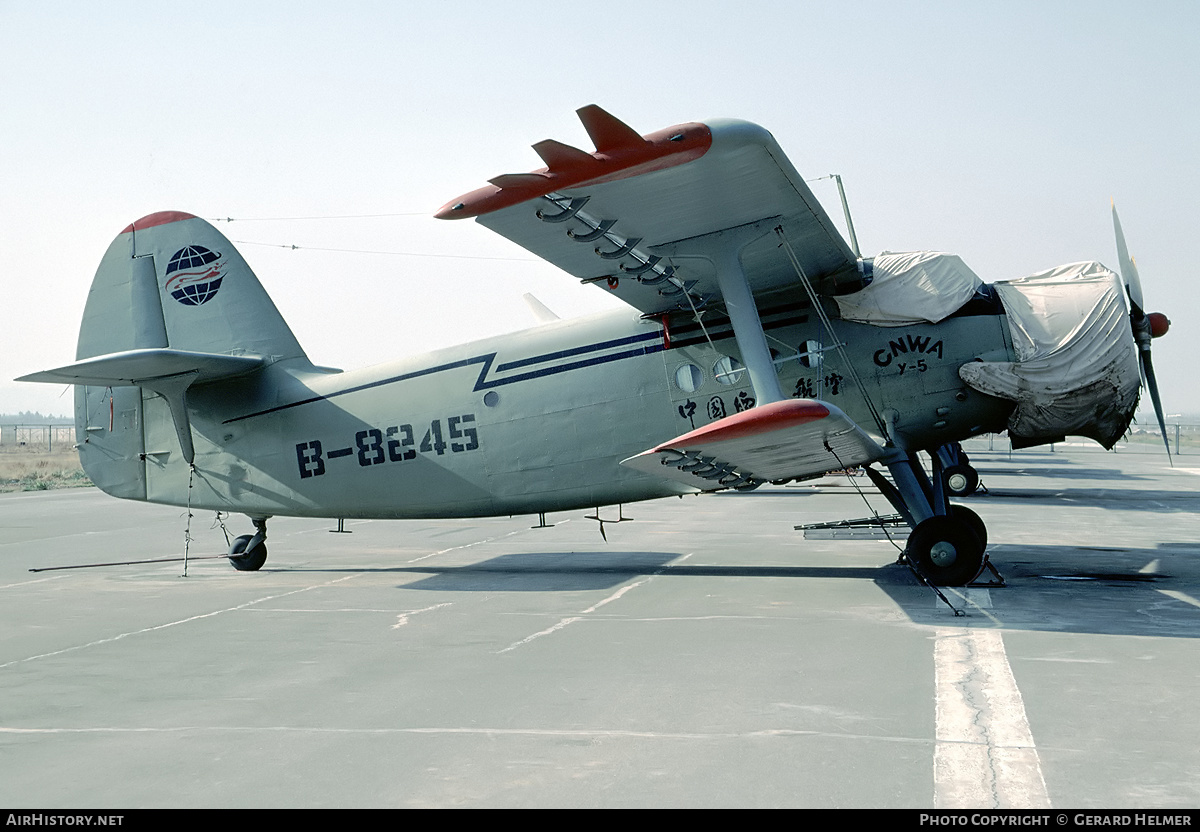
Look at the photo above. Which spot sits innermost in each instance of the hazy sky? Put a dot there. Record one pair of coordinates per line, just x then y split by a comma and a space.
997, 131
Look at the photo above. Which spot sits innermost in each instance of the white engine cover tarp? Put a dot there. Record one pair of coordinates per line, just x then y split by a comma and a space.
911, 287
1077, 369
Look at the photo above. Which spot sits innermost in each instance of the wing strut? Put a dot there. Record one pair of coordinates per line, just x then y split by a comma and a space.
724, 250
743, 314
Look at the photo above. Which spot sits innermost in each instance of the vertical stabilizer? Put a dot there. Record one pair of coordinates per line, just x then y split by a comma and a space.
172, 305
172, 280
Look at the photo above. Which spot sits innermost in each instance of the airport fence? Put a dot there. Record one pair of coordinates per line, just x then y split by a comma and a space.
47, 438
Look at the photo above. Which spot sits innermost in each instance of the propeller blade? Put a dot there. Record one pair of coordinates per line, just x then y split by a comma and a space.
1152, 386
1142, 326
1133, 285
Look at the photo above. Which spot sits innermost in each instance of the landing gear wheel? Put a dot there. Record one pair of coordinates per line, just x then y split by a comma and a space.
946, 550
244, 561
961, 480
974, 521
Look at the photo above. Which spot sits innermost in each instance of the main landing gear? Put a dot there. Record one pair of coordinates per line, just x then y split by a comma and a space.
947, 542
946, 549
248, 552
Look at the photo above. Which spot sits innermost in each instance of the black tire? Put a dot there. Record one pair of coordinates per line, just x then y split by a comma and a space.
946, 551
974, 521
244, 561
961, 480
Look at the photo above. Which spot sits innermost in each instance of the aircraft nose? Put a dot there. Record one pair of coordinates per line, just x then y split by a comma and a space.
1159, 324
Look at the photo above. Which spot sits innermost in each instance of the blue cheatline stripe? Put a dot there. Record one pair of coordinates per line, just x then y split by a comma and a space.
551, 356
649, 349
482, 383
486, 360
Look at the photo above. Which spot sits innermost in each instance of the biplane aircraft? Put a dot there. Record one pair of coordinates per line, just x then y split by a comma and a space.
758, 347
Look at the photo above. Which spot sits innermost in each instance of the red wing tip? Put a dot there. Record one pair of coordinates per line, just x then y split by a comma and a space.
159, 218
467, 205
758, 420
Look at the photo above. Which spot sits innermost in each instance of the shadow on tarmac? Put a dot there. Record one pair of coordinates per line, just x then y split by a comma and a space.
572, 571
1081, 589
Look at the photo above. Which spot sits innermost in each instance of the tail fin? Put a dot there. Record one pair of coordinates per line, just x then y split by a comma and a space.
171, 280
173, 304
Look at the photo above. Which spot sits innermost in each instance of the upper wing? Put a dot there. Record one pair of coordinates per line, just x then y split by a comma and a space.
641, 213
788, 439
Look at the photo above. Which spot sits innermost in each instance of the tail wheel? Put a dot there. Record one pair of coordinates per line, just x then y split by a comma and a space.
961, 480
244, 561
946, 550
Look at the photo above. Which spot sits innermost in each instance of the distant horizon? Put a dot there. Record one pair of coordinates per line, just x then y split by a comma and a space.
33, 419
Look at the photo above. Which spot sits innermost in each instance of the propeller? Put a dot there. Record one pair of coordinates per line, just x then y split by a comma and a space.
1145, 326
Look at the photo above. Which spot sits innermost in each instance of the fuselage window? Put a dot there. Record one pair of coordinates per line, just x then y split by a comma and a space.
727, 370
688, 377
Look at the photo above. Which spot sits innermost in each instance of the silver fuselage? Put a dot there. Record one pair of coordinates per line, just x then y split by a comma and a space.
535, 421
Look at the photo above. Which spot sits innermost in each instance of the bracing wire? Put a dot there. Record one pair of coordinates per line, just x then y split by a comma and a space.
863, 495
820, 310
700, 320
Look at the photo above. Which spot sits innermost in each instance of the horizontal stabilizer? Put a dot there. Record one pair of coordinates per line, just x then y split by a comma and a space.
134, 367
783, 440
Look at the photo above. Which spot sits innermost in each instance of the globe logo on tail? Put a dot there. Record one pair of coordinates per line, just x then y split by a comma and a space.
197, 272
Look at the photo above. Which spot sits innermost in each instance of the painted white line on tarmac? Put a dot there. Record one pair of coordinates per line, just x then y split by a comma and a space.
33, 581
984, 756
187, 620
572, 619
402, 618
1180, 596
466, 546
